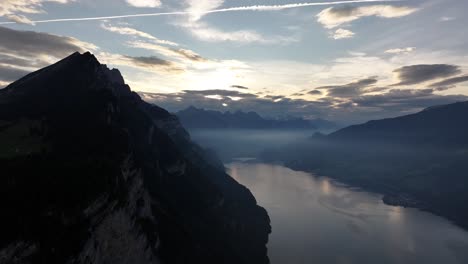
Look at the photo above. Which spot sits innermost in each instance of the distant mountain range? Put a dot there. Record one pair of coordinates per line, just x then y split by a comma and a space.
418, 160
195, 118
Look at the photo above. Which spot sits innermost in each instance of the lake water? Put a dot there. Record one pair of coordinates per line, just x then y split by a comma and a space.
317, 220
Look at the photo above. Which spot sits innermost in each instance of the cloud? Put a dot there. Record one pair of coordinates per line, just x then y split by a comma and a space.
205, 32
35, 44
12, 9
370, 100
3, 84
336, 16
9, 74
231, 100
289, 6
144, 3
313, 92
342, 34
276, 98
197, 9
20, 19
353, 99
221, 93
146, 63
449, 83
297, 94
349, 90
25, 51
199, 12
281, 79
239, 87
362, 108
137, 33
180, 54
415, 74
149, 61
401, 50
189, 54
212, 72
446, 19
407, 100
10, 59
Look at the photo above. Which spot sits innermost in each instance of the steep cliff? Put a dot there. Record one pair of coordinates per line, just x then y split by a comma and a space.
93, 174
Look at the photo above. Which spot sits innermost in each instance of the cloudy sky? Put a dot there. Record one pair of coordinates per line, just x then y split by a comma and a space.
347, 61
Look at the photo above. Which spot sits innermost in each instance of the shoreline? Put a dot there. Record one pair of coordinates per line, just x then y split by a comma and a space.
389, 197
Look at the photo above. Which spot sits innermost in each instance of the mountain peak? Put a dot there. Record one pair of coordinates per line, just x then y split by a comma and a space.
113, 75
76, 58
71, 74
191, 108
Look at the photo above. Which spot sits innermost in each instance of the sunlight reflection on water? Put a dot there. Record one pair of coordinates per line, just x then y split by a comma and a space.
317, 220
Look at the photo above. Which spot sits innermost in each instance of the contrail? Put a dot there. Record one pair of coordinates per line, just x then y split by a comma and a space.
230, 9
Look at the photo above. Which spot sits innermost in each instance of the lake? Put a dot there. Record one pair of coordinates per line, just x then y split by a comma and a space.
317, 220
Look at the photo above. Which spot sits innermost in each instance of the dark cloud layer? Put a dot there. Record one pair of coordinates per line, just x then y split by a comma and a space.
360, 108
149, 61
343, 11
314, 92
153, 62
32, 44
449, 83
239, 87
347, 90
275, 97
12, 60
407, 100
10, 74
24, 51
416, 74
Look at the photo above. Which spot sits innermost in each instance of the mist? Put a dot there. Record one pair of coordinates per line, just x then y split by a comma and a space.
230, 144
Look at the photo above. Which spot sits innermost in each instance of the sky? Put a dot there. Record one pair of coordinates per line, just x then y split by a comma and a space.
346, 61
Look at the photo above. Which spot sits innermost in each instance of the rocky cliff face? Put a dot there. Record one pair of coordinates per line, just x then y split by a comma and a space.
93, 174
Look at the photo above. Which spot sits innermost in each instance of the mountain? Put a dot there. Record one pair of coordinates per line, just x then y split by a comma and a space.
93, 174
444, 126
418, 160
195, 118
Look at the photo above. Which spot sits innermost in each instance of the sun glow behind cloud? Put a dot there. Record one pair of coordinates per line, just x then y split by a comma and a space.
257, 54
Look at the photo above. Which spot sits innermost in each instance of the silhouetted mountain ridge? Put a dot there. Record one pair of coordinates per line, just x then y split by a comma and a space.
435, 126
93, 174
195, 118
